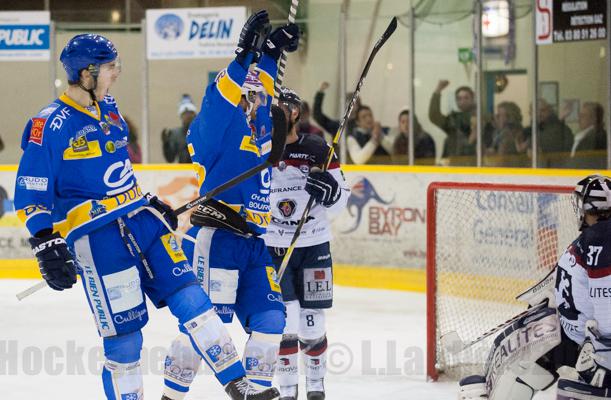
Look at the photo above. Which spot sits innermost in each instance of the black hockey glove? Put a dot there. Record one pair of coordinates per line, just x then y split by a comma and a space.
55, 261
323, 187
284, 38
165, 210
251, 38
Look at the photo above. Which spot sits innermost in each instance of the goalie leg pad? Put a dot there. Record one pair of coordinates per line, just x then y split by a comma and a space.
181, 366
472, 388
574, 390
512, 371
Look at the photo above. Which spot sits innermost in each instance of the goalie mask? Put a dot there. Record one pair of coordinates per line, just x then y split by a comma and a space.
592, 196
254, 93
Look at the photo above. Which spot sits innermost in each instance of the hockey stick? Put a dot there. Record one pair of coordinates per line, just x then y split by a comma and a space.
31, 290
275, 154
283, 58
385, 36
452, 342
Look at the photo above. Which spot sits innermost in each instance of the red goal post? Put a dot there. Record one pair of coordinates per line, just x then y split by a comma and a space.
486, 243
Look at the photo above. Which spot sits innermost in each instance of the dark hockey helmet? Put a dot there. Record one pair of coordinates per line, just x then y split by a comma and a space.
86, 51
592, 196
290, 99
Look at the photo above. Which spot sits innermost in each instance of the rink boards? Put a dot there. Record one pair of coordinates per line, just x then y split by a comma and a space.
379, 240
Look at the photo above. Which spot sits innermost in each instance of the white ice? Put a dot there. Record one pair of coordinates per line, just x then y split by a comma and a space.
49, 348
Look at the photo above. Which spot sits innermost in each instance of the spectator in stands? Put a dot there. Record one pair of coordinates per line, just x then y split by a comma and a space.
424, 145
175, 140
368, 138
304, 125
1, 144
592, 136
460, 140
328, 124
508, 136
133, 148
555, 138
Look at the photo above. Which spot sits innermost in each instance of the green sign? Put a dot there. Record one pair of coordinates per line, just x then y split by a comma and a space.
465, 55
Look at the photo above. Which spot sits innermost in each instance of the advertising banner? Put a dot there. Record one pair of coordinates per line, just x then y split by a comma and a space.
384, 224
571, 21
193, 32
24, 36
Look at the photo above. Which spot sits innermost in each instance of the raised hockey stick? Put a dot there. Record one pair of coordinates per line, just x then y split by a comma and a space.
275, 154
385, 36
452, 342
283, 58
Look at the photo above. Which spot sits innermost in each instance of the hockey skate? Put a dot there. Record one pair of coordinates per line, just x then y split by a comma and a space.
316, 389
288, 392
242, 389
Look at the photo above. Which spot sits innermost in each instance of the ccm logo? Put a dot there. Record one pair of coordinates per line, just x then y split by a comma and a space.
48, 244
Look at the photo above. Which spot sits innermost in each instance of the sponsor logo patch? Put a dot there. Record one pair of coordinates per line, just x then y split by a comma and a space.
37, 183
114, 120
36, 131
80, 148
272, 277
97, 209
287, 207
172, 248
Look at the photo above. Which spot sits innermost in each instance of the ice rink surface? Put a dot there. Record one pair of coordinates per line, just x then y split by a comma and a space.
49, 348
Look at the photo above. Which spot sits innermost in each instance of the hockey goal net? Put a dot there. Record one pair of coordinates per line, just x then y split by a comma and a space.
486, 243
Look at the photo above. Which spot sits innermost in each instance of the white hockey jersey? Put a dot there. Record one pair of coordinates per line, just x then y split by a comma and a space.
288, 197
583, 282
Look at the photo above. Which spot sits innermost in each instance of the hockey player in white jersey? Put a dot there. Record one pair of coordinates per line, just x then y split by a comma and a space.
307, 285
576, 334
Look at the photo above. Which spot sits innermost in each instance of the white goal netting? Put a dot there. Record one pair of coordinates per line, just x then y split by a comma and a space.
487, 243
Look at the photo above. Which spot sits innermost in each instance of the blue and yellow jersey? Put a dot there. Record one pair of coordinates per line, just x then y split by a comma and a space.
75, 174
223, 145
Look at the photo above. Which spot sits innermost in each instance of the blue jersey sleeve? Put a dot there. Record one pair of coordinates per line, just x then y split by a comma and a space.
35, 185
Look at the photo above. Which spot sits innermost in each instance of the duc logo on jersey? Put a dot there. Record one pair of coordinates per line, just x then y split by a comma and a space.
36, 131
172, 248
97, 209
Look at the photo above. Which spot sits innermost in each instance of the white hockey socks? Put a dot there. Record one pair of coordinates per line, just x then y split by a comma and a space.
213, 342
122, 381
260, 354
181, 366
313, 343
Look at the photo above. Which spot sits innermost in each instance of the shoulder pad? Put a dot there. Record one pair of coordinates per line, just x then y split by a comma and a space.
47, 110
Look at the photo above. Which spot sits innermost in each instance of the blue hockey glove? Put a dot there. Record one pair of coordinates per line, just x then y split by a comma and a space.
323, 187
254, 31
284, 38
55, 261
165, 210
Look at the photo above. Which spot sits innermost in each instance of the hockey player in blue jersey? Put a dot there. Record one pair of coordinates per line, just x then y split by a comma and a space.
77, 193
230, 135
